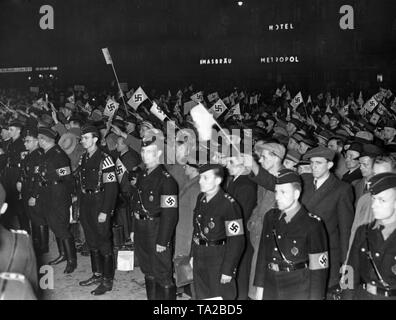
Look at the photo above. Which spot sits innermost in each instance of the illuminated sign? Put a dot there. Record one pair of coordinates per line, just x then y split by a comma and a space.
14, 70
280, 59
46, 68
216, 61
280, 26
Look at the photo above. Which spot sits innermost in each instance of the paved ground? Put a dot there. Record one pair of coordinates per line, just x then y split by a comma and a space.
127, 285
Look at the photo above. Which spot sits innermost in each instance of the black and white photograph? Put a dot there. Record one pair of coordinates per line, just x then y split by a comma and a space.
205, 152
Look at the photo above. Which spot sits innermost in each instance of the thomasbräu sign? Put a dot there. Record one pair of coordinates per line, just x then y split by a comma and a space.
216, 61
280, 59
280, 26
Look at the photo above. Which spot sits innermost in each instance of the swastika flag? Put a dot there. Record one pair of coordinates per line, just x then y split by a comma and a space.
137, 98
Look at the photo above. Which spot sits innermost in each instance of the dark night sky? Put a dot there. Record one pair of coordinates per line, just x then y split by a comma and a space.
164, 39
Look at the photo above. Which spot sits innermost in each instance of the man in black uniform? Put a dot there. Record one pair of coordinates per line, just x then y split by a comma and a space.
373, 254
28, 185
155, 217
14, 152
218, 237
54, 196
293, 260
98, 195
244, 191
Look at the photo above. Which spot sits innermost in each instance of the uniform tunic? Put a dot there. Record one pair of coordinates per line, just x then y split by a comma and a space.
369, 238
155, 209
302, 240
218, 243
30, 178
56, 187
98, 193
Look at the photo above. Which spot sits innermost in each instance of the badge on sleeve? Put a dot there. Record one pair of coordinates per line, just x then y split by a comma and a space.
234, 228
169, 201
107, 163
63, 171
109, 177
319, 261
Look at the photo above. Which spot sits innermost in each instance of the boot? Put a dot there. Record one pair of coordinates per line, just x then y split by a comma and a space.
71, 255
165, 292
62, 256
97, 269
44, 239
108, 276
150, 287
36, 237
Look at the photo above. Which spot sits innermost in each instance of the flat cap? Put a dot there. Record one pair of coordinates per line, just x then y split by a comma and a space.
381, 182
320, 151
287, 176
356, 146
276, 148
48, 132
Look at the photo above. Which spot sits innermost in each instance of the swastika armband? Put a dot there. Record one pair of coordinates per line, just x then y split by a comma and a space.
109, 177
234, 228
169, 201
107, 163
61, 172
318, 261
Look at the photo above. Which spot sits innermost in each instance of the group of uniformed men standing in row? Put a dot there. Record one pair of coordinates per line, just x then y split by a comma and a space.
304, 238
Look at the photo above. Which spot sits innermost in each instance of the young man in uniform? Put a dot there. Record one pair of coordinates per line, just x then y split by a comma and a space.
98, 195
218, 237
155, 209
293, 258
373, 254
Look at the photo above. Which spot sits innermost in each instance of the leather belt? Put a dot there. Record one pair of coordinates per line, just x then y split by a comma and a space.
91, 191
209, 243
296, 266
378, 291
49, 183
151, 217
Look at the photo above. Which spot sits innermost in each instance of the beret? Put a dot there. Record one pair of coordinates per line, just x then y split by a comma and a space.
381, 182
48, 132
209, 166
276, 148
287, 176
320, 151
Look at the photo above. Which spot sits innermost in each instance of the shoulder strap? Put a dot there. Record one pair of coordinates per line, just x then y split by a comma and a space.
370, 257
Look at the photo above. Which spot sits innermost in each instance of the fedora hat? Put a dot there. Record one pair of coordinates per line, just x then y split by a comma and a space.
68, 142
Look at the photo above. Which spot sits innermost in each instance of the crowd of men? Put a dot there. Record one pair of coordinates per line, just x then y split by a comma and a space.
310, 213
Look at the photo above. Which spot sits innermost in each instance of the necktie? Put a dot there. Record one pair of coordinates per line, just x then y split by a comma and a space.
316, 184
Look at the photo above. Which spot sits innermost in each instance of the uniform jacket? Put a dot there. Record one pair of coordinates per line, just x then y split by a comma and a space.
301, 240
333, 203
157, 193
349, 177
29, 174
220, 219
383, 254
98, 173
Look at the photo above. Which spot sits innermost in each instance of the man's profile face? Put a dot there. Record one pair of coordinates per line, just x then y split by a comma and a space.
384, 204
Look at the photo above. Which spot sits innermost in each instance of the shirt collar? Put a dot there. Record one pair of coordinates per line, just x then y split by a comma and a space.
291, 213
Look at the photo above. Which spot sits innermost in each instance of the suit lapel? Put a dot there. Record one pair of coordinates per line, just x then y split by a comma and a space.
318, 195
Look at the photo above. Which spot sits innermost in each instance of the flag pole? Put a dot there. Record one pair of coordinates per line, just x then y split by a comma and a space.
119, 87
